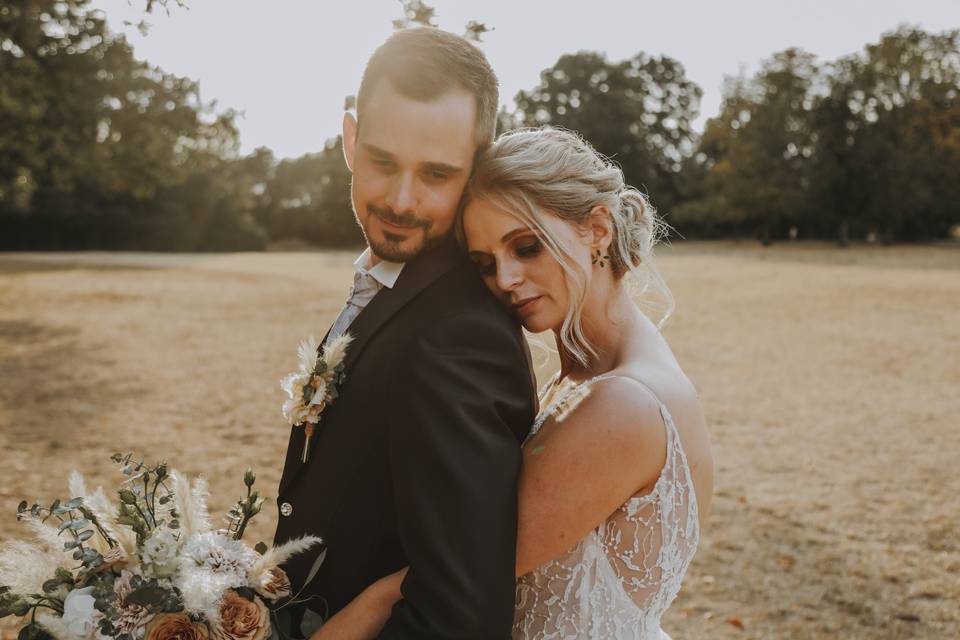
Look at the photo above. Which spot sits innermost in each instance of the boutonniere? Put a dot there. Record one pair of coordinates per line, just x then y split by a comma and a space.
313, 387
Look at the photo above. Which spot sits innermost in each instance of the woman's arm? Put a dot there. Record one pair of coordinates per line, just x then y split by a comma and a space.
366, 614
573, 477
583, 465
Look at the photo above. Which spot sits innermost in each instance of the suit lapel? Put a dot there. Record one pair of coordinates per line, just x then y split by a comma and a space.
416, 276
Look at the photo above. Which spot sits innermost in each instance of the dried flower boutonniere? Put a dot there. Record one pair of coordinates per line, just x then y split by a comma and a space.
313, 386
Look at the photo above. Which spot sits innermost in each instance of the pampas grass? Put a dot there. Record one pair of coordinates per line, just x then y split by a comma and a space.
25, 567
278, 555
191, 503
55, 626
106, 514
336, 350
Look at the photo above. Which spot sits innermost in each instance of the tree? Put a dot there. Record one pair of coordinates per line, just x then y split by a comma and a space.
867, 144
639, 112
758, 149
97, 146
309, 198
902, 115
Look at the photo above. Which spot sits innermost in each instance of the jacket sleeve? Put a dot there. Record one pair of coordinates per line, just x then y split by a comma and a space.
460, 400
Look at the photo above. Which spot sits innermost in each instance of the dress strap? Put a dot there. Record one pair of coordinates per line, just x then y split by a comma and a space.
568, 400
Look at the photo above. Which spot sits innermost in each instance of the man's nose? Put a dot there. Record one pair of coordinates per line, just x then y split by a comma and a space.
402, 197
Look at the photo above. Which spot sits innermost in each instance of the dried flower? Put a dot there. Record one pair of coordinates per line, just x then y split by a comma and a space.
175, 626
274, 585
242, 619
220, 555
132, 617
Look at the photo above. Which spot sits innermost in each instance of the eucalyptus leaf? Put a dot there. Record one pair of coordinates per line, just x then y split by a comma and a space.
71, 544
51, 585
76, 503
147, 596
86, 535
22, 506
33, 631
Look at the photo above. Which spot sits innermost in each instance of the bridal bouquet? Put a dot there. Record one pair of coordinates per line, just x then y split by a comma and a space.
147, 565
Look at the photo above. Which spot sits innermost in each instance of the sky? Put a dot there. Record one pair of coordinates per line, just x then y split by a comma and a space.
286, 65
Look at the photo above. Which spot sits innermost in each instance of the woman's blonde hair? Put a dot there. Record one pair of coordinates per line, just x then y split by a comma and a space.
534, 173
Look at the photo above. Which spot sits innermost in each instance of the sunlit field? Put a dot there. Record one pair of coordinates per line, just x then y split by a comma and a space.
830, 379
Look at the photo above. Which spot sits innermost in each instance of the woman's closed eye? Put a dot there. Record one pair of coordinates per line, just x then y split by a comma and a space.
529, 248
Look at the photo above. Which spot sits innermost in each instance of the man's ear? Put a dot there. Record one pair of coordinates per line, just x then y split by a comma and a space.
600, 227
349, 139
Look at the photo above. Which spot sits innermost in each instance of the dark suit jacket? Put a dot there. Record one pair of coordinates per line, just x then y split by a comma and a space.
416, 463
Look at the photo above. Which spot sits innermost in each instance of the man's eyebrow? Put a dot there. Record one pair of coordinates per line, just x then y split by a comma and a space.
375, 150
449, 169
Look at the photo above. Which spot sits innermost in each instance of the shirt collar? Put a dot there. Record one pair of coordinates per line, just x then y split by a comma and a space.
384, 272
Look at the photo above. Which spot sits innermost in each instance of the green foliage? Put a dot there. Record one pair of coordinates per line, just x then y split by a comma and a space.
639, 112
308, 198
867, 144
100, 150
246, 509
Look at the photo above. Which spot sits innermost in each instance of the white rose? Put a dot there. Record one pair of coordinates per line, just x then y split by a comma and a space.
79, 615
160, 554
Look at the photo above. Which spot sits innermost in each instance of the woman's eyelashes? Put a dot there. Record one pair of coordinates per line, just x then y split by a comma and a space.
523, 249
528, 248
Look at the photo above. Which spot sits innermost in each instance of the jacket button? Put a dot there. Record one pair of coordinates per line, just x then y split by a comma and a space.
286, 509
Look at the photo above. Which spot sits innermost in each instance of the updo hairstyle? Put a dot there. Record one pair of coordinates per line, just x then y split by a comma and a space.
545, 171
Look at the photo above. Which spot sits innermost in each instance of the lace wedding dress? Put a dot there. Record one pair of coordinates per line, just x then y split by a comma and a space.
618, 581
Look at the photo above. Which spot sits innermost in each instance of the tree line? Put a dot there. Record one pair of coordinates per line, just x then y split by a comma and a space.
101, 150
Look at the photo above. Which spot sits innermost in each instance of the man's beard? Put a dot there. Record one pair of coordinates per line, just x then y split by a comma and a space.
391, 248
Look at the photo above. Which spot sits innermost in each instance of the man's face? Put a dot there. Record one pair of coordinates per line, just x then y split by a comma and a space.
410, 162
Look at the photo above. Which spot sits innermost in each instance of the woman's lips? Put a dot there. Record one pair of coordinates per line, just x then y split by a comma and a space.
525, 306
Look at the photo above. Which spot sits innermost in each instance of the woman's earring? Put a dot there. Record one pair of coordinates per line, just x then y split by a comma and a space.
600, 258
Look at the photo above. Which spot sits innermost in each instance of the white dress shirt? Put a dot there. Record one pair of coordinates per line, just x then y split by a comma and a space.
368, 280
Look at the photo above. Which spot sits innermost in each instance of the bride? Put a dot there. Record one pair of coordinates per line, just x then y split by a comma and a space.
617, 471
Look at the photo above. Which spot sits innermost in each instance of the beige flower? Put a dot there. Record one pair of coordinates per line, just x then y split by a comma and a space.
275, 585
175, 626
241, 619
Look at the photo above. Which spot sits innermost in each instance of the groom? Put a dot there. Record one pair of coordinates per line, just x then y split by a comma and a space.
416, 463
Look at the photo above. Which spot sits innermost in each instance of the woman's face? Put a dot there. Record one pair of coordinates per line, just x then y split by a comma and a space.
516, 266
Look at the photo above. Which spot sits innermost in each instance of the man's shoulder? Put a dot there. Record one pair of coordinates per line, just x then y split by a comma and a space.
459, 291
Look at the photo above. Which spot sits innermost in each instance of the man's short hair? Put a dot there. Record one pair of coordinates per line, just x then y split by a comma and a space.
424, 63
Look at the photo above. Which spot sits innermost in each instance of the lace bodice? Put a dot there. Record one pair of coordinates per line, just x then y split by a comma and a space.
617, 582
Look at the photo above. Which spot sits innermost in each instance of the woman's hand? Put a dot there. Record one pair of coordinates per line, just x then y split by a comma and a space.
366, 614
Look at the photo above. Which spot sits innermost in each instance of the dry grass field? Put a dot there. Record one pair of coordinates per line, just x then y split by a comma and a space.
831, 381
